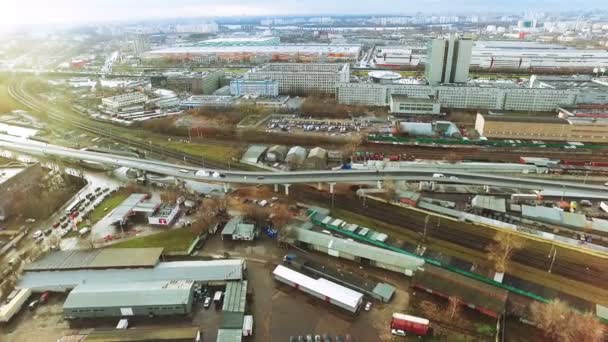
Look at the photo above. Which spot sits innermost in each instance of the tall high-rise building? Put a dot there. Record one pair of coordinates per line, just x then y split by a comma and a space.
448, 60
141, 43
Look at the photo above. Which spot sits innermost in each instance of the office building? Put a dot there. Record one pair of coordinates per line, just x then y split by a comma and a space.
197, 101
241, 41
448, 60
198, 83
403, 104
302, 78
266, 88
141, 44
541, 128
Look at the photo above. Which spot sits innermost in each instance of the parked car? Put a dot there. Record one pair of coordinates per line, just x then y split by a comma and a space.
44, 297
30, 220
48, 231
37, 234
33, 304
207, 302
56, 224
368, 306
64, 233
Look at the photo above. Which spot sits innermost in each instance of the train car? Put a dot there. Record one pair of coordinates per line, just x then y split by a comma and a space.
412, 324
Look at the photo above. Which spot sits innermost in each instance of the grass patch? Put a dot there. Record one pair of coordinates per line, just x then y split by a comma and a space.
174, 240
113, 201
7, 104
216, 153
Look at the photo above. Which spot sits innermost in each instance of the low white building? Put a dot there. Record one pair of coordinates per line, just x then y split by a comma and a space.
117, 102
266, 88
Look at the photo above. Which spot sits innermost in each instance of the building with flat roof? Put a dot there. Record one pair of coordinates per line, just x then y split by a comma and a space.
403, 104
448, 60
540, 128
158, 334
197, 83
212, 271
196, 101
253, 53
115, 103
242, 87
236, 229
107, 258
302, 78
153, 298
164, 215
320, 288
240, 41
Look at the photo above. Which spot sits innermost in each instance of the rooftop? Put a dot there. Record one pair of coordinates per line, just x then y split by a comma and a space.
283, 48
254, 153
121, 212
205, 271
97, 259
235, 296
530, 119
129, 294
144, 334
446, 283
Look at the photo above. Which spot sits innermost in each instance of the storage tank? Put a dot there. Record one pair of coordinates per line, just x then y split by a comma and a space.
416, 129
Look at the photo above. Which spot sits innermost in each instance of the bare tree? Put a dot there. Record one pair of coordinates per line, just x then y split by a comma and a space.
500, 251
560, 323
453, 308
203, 220
258, 215
390, 188
353, 145
279, 217
452, 158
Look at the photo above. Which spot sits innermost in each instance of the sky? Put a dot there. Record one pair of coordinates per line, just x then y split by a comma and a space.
15, 13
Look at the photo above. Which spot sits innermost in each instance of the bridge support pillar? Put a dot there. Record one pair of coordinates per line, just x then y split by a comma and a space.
331, 187
225, 187
276, 188
379, 184
319, 186
287, 188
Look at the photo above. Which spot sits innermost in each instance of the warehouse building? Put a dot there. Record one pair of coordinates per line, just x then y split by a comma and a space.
317, 159
254, 154
212, 272
118, 102
255, 53
265, 88
490, 203
296, 156
320, 288
540, 128
302, 78
102, 259
151, 299
355, 251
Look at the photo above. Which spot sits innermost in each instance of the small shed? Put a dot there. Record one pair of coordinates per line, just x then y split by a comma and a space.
489, 203
235, 229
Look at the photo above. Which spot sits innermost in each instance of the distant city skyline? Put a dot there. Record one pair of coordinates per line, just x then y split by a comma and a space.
45, 12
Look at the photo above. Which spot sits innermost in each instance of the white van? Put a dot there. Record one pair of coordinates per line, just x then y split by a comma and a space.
84, 231
438, 175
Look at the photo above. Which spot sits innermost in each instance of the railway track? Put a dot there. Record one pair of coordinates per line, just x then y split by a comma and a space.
20, 95
592, 272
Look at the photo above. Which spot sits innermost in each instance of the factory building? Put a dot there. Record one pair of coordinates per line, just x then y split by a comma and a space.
473, 95
118, 102
199, 83
276, 153
151, 299
498, 55
448, 60
256, 53
301, 78
266, 88
317, 159
541, 128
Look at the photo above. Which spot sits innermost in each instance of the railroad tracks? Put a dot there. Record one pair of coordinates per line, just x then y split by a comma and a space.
17, 92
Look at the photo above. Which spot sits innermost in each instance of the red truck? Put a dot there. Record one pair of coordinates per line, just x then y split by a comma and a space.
402, 324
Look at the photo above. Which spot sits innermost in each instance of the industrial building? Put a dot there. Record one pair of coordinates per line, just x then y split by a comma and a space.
100, 259
256, 53
118, 102
296, 156
317, 159
213, 271
403, 104
164, 215
197, 101
448, 60
355, 251
320, 288
198, 83
151, 299
236, 229
489, 203
590, 90
541, 128
254, 154
498, 55
241, 41
471, 95
302, 78
266, 88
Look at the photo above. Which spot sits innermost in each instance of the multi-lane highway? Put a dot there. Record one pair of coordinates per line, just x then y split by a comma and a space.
436, 174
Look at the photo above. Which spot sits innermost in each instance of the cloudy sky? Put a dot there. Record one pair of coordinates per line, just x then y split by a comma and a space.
20, 12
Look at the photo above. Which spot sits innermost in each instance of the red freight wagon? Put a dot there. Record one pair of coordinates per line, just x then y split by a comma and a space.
412, 324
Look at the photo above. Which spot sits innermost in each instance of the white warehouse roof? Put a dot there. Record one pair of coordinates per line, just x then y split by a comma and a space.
322, 286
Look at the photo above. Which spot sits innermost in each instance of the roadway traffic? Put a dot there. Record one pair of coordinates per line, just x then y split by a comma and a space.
436, 174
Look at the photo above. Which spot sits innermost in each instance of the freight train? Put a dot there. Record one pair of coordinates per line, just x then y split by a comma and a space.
559, 166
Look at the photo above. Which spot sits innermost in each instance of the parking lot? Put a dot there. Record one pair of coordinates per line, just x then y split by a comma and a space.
328, 127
